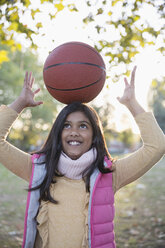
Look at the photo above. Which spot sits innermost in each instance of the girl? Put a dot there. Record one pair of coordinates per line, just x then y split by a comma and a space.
73, 179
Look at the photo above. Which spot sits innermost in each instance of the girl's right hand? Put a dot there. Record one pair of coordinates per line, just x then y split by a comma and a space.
26, 98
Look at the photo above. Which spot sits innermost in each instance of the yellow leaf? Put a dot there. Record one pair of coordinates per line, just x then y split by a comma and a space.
127, 73
109, 13
59, 6
27, 3
9, 42
150, 43
18, 46
154, 83
14, 16
13, 48
39, 25
13, 26
115, 1
3, 56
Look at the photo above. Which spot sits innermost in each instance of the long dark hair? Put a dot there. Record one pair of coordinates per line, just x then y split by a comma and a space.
53, 147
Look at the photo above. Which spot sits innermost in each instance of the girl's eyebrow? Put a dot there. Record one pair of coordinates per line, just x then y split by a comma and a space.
82, 121
86, 122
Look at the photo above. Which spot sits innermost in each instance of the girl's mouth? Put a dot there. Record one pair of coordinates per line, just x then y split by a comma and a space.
74, 143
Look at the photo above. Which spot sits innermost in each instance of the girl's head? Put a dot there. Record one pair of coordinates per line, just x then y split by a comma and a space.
77, 129
77, 135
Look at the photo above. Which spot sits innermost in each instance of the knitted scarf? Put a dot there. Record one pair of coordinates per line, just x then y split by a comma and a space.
73, 169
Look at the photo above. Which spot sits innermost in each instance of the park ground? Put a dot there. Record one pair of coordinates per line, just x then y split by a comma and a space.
140, 210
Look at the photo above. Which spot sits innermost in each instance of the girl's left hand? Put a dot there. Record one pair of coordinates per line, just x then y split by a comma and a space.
129, 91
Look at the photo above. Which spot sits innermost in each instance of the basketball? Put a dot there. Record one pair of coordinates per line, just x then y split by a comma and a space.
74, 71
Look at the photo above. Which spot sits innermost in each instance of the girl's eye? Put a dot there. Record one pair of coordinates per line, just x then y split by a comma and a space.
66, 125
83, 126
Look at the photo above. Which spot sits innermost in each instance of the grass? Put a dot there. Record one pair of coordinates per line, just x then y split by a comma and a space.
140, 211
12, 208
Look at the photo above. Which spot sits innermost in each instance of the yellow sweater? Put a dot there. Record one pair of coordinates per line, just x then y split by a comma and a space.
68, 220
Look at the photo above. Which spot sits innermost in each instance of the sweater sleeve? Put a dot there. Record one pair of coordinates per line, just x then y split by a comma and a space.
11, 157
130, 168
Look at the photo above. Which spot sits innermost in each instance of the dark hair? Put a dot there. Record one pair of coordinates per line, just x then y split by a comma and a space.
53, 147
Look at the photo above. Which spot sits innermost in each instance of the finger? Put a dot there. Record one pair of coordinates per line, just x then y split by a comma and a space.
38, 103
30, 78
132, 83
36, 91
126, 82
25, 79
32, 82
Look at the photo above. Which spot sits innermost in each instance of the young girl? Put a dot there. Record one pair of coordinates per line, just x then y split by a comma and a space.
73, 179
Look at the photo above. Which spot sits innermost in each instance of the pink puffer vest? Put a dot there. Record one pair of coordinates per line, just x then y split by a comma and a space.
100, 210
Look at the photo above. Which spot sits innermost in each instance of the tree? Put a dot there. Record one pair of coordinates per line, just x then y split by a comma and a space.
105, 114
157, 101
128, 26
34, 123
12, 22
126, 19
127, 137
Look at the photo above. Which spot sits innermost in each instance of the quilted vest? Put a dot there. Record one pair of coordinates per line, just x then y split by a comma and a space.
100, 211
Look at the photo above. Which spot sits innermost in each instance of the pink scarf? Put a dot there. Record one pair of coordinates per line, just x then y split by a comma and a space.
73, 168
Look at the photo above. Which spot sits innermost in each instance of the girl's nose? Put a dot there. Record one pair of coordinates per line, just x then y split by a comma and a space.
74, 132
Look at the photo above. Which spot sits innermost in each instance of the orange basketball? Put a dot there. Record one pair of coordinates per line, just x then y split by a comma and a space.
74, 71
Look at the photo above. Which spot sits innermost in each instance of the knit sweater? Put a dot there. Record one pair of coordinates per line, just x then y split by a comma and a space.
125, 170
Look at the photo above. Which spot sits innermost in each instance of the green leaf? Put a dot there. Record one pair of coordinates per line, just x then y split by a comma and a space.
26, 2
99, 11
88, 3
72, 7
161, 49
34, 46
52, 16
33, 12
98, 28
2, 2
88, 19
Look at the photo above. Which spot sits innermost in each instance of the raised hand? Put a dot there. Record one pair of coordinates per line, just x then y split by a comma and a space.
129, 91
27, 95
26, 98
128, 98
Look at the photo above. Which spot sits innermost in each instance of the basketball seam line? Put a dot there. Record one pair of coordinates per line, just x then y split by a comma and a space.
73, 63
80, 88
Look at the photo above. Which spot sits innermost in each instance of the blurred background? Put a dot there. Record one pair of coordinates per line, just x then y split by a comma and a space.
126, 33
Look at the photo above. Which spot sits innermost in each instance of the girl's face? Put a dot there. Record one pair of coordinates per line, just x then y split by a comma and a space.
77, 135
